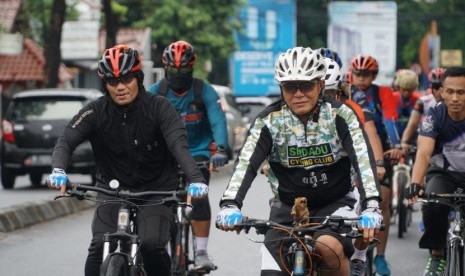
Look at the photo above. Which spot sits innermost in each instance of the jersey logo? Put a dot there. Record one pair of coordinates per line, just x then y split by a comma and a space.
310, 155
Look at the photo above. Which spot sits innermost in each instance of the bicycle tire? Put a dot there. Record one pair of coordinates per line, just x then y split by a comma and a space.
453, 261
369, 262
114, 265
178, 264
401, 206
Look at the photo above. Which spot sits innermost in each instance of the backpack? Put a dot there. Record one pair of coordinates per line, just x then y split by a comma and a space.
198, 89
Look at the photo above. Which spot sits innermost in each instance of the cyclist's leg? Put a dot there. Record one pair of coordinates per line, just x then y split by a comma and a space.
154, 231
334, 249
435, 219
200, 221
381, 264
435, 216
103, 222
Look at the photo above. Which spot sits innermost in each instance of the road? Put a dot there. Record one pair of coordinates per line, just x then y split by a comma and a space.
59, 247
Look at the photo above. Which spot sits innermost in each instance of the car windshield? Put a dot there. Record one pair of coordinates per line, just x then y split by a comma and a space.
34, 109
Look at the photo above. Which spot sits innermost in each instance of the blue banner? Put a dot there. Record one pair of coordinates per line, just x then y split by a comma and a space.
269, 28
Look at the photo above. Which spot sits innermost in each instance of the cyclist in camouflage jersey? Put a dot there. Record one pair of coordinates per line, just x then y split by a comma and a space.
311, 144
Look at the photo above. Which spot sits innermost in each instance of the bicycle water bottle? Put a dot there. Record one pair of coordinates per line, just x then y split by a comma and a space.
299, 261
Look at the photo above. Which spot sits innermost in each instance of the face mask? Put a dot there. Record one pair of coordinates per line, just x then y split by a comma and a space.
180, 82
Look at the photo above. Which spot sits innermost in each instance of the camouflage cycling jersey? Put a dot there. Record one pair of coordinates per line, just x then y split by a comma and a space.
312, 159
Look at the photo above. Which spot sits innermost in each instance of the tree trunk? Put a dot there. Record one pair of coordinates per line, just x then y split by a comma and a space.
52, 44
111, 24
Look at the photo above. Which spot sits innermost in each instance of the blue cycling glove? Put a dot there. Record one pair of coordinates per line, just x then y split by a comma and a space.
57, 178
371, 217
219, 159
228, 217
197, 190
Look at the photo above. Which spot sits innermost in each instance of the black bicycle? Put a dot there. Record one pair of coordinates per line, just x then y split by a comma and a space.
182, 244
455, 253
302, 257
125, 260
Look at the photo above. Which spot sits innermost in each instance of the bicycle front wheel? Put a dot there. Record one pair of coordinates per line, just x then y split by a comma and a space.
114, 265
454, 254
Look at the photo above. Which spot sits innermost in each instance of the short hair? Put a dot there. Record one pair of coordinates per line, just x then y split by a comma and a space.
453, 72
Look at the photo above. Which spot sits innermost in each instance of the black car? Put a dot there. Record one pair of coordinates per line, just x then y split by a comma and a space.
33, 121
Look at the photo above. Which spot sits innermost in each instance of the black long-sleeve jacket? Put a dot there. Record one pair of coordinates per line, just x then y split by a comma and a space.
135, 144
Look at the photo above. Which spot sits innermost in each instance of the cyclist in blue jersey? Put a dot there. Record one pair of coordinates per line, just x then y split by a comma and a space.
205, 123
441, 158
380, 107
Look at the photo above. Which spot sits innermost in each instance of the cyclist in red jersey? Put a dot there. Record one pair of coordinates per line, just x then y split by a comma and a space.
382, 109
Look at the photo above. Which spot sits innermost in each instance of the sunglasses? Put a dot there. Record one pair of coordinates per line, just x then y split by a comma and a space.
182, 70
292, 87
126, 79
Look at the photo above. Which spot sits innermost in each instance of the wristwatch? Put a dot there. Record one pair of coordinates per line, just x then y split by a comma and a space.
380, 163
372, 203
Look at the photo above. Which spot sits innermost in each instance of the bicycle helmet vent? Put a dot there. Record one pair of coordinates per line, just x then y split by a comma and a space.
299, 64
327, 53
179, 54
435, 75
117, 61
364, 63
333, 74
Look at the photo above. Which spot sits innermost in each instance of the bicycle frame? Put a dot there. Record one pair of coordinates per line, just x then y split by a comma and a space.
306, 259
125, 258
183, 243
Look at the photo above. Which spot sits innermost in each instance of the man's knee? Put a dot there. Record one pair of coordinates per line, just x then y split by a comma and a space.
202, 210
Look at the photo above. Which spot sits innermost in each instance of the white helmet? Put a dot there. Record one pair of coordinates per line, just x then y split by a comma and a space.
299, 64
333, 74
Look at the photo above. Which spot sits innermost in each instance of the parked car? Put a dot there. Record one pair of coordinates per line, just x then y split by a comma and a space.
33, 121
237, 130
251, 106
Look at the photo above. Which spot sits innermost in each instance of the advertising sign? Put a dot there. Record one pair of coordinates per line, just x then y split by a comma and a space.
269, 28
368, 28
11, 44
79, 40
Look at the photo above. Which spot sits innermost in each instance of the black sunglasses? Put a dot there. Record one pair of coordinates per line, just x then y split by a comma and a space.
292, 87
182, 70
125, 79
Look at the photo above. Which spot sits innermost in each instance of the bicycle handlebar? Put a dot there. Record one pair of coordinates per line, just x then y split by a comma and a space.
335, 223
79, 191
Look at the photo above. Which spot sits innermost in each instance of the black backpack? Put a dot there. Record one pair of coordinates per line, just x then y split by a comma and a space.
198, 89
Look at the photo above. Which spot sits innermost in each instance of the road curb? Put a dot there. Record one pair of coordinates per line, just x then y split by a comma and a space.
30, 213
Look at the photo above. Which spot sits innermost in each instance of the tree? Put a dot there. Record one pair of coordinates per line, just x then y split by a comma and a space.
52, 44
207, 24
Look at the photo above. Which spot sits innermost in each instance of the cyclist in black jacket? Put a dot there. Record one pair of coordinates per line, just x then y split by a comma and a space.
138, 139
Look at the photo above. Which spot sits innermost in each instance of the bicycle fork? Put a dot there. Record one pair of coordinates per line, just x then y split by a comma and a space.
123, 235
